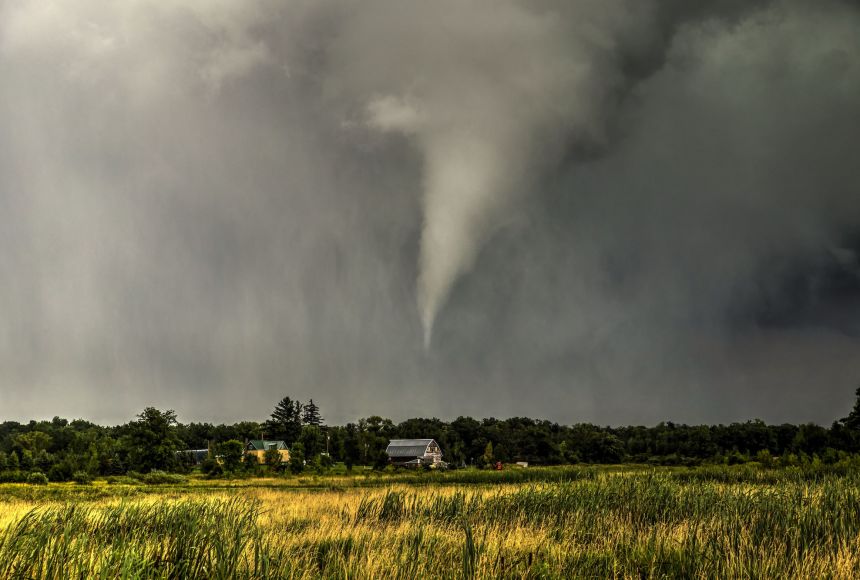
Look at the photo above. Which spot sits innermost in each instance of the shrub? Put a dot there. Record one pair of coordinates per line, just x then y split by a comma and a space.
215, 470
12, 476
82, 478
208, 465
37, 478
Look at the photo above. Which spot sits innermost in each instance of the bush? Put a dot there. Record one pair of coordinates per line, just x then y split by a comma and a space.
12, 476
214, 470
37, 478
82, 478
208, 465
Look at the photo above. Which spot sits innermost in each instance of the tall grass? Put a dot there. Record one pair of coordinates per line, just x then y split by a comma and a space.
624, 525
187, 539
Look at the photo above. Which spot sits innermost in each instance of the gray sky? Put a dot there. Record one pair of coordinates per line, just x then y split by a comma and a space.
623, 211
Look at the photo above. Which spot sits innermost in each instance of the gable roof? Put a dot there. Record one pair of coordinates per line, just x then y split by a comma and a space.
408, 447
263, 444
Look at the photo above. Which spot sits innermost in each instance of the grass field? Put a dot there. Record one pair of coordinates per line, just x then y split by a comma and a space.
535, 523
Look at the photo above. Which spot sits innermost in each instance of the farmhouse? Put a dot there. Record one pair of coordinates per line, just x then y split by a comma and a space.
414, 453
258, 447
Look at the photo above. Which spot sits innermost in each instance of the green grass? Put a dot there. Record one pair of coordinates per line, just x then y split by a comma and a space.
629, 522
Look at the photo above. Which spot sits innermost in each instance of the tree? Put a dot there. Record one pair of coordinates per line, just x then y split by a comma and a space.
286, 421
231, 453
311, 414
313, 440
380, 460
34, 441
852, 421
152, 441
272, 458
487, 458
351, 446
27, 460
297, 458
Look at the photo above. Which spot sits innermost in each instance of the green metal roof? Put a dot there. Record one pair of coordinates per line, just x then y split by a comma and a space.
263, 444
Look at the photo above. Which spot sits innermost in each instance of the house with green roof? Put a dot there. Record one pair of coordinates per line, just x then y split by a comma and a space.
258, 447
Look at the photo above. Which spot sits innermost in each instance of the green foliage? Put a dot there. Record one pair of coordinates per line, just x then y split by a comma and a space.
26, 459
230, 453
82, 478
312, 440
37, 478
286, 421
311, 414
32, 441
272, 458
152, 441
487, 459
351, 449
297, 458
380, 461
13, 476
61, 448
211, 467
852, 421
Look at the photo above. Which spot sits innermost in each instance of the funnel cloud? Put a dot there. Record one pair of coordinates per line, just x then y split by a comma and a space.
617, 212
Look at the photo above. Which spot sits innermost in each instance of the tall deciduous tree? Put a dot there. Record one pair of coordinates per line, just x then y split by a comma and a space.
153, 441
231, 454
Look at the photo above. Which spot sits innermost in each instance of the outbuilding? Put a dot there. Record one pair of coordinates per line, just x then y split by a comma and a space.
414, 453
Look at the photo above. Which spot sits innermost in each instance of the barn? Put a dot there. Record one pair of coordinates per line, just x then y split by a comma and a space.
414, 453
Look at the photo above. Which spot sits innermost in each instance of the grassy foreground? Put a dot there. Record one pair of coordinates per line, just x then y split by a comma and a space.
572, 523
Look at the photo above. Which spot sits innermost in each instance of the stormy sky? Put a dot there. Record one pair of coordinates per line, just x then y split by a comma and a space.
622, 211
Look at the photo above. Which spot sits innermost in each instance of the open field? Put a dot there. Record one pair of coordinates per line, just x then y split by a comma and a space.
541, 523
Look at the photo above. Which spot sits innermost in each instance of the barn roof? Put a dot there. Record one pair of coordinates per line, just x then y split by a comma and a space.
407, 447
262, 445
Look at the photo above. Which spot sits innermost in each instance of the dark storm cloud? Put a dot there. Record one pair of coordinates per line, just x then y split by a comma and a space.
618, 211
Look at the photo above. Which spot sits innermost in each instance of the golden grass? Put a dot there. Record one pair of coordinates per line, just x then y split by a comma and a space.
625, 525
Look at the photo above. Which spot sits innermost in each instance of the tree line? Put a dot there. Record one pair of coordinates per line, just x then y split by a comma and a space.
155, 440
